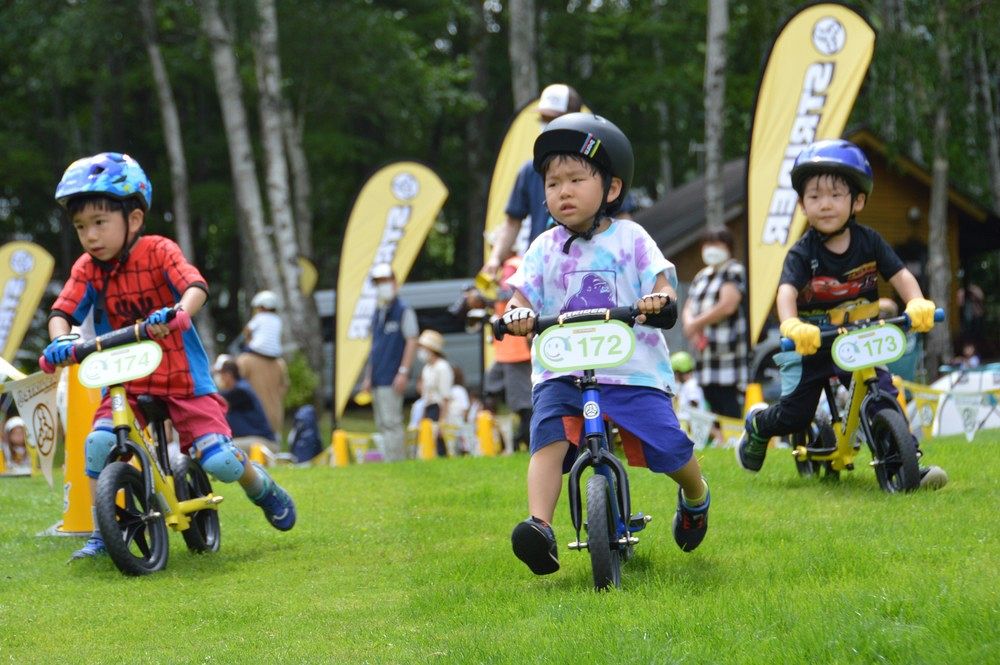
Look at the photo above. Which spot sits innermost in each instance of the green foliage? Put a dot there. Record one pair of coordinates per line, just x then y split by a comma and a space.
411, 563
303, 382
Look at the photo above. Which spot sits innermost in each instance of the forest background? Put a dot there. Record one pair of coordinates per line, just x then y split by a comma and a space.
259, 121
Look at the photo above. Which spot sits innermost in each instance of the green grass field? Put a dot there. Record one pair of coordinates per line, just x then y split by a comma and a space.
410, 563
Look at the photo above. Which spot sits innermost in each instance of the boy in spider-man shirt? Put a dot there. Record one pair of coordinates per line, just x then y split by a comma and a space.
124, 277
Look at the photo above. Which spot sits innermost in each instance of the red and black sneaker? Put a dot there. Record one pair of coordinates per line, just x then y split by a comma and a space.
691, 524
534, 543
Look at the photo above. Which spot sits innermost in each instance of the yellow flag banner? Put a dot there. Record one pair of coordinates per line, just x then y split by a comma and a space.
388, 224
812, 77
25, 269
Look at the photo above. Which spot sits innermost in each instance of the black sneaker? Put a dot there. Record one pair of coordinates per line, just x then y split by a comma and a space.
691, 524
752, 448
534, 543
932, 477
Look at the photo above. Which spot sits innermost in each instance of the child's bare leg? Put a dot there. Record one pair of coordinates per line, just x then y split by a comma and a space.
689, 478
545, 479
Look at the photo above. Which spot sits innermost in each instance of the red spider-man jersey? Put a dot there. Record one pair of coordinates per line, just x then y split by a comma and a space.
155, 274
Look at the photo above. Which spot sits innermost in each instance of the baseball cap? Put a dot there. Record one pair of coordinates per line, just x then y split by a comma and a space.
382, 271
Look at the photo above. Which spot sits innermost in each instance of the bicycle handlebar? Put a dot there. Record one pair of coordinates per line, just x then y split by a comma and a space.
178, 320
665, 319
829, 334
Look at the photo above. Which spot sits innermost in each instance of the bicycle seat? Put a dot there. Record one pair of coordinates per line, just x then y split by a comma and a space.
154, 408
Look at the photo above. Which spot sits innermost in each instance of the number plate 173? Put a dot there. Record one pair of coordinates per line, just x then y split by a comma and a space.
868, 347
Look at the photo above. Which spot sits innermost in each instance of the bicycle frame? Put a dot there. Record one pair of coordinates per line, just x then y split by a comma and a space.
154, 462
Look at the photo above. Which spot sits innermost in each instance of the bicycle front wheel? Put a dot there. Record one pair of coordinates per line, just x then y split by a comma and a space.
601, 541
893, 445
133, 528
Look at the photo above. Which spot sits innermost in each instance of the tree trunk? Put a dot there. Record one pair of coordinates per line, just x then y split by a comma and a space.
178, 162
523, 47
293, 129
939, 261
715, 94
304, 329
665, 181
991, 124
476, 133
249, 206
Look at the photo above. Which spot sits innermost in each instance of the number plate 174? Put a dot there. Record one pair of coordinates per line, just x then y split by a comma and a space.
120, 364
585, 345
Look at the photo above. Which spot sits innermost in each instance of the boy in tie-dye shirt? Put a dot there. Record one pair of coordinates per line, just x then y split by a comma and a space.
589, 260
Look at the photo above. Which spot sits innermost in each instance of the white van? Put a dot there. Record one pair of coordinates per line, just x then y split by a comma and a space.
430, 301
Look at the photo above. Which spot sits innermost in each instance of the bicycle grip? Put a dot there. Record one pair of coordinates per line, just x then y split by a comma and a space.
786, 344
499, 329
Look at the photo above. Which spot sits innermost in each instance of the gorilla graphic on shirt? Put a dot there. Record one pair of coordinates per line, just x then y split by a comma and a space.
588, 290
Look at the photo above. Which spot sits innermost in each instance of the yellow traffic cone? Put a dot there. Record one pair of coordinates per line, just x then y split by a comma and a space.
753, 395
341, 455
81, 403
484, 433
425, 439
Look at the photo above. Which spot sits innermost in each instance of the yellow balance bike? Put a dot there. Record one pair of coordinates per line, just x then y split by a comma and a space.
134, 506
831, 443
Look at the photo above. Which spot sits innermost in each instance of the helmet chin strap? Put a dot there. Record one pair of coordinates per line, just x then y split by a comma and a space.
826, 237
589, 233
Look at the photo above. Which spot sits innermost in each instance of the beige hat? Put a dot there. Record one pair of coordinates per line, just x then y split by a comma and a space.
432, 340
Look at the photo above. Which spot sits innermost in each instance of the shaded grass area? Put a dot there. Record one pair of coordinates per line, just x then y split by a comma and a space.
411, 562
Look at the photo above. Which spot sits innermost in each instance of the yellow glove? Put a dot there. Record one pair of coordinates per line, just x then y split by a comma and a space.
921, 313
805, 335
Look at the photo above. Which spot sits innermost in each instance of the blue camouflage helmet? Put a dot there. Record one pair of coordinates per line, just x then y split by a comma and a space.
833, 156
113, 174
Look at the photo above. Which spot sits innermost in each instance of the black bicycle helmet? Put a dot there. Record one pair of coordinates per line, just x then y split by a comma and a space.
597, 139
833, 156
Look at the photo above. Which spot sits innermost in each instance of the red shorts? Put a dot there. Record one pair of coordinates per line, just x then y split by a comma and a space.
192, 417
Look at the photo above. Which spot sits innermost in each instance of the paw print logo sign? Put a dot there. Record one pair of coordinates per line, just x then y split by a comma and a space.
45, 430
829, 35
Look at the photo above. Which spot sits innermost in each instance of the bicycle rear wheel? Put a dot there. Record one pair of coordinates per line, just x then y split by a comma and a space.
134, 530
190, 481
601, 541
893, 446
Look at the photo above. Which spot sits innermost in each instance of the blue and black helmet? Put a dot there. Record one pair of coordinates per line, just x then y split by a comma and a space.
594, 138
833, 156
110, 173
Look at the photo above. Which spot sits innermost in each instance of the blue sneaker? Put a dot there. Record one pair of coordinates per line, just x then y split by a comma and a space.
278, 507
691, 524
94, 547
534, 543
752, 448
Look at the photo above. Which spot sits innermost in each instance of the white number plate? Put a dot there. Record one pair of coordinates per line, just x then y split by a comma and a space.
585, 345
120, 364
869, 347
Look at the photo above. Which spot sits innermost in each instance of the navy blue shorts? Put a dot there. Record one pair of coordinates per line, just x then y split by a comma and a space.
651, 435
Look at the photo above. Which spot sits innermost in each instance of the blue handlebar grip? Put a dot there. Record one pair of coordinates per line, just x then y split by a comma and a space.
786, 344
939, 314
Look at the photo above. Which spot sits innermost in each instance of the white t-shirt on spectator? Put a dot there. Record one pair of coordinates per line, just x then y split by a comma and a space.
265, 334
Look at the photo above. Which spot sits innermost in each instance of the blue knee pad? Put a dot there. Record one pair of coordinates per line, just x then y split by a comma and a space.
97, 446
218, 456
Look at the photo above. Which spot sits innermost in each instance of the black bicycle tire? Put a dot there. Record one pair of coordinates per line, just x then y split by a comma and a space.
898, 470
604, 559
204, 534
136, 541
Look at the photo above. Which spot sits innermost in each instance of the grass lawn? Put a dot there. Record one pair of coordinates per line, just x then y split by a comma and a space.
410, 563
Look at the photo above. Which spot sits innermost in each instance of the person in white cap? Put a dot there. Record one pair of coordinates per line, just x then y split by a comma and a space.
261, 362
15, 450
527, 200
394, 333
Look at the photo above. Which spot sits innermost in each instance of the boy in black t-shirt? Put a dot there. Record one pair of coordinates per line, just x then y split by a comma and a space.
830, 277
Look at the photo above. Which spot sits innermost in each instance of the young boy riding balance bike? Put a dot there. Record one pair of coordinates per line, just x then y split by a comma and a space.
830, 276
590, 260
124, 277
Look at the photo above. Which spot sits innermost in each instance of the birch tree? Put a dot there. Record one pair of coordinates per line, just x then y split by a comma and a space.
715, 94
939, 261
174, 140
523, 49
665, 181
992, 123
304, 320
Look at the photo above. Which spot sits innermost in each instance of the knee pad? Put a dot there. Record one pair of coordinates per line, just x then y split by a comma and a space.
218, 456
97, 445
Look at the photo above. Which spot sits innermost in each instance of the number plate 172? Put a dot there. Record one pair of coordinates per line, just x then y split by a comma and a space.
585, 345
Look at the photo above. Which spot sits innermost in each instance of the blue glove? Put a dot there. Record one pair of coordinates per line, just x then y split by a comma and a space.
60, 349
160, 316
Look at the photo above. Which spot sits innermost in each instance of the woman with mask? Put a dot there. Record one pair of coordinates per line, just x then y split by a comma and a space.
394, 333
715, 324
436, 381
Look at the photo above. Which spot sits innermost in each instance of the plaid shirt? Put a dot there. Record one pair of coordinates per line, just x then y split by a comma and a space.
723, 361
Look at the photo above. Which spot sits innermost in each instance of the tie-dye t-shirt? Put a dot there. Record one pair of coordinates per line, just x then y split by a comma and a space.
613, 269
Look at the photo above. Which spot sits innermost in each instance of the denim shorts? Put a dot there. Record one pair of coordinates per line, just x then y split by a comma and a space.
651, 435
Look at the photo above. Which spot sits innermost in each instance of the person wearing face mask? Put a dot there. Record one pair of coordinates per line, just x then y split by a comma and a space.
436, 381
394, 344
715, 324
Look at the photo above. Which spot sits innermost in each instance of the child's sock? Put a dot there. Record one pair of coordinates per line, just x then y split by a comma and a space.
255, 489
696, 501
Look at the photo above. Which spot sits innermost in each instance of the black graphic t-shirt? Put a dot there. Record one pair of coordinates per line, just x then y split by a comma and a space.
827, 281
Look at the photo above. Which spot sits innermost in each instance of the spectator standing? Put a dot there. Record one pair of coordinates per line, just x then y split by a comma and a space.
715, 324
394, 345
436, 380
261, 362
